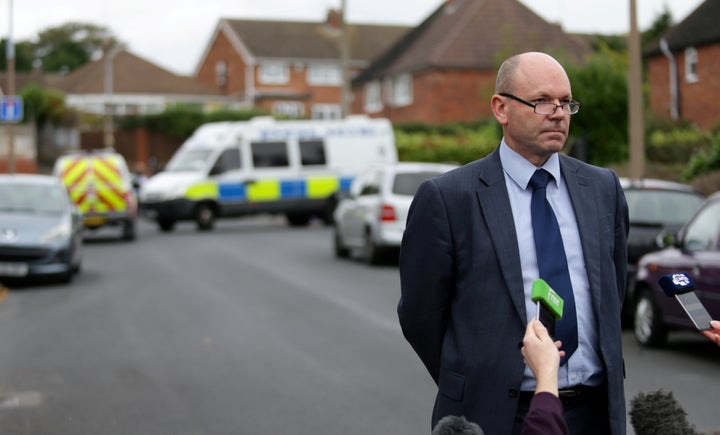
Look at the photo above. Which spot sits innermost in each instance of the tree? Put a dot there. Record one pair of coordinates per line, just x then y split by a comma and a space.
65, 48
600, 84
661, 23
23, 56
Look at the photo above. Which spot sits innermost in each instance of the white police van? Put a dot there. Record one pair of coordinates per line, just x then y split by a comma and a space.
237, 168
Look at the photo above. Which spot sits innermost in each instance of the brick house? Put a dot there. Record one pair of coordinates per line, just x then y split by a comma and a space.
286, 67
444, 70
138, 87
683, 71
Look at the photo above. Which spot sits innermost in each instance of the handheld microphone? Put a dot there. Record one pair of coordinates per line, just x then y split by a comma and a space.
549, 304
454, 425
680, 285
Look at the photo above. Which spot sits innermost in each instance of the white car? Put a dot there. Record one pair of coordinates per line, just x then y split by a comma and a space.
370, 218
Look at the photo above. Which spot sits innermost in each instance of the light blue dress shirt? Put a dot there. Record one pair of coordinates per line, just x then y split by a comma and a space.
584, 366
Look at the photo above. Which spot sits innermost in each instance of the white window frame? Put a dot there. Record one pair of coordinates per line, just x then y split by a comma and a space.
324, 74
373, 97
273, 73
402, 90
221, 73
326, 111
691, 64
288, 108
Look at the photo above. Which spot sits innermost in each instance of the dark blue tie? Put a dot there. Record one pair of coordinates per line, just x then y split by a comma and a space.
552, 262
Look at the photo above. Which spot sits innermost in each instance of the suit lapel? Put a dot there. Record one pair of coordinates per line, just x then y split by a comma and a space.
587, 213
495, 205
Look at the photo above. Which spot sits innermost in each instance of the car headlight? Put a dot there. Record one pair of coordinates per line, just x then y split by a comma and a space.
57, 233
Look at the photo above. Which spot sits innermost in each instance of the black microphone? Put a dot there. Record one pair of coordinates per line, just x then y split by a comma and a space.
658, 413
681, 286
454, 425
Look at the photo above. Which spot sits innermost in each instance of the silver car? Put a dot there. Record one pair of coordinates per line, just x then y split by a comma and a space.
370, 218
40, 229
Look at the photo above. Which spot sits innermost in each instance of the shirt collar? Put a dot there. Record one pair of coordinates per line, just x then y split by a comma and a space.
520, 170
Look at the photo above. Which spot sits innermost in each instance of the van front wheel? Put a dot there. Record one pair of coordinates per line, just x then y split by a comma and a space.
205, 217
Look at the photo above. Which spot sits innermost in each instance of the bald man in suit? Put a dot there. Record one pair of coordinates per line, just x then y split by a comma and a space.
468, 262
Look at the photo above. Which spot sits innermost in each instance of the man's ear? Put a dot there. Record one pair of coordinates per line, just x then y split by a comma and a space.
499, 108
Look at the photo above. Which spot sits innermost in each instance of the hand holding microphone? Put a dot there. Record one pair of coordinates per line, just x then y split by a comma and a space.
714, 333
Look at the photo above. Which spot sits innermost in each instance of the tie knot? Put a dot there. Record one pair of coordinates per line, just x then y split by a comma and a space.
540, 179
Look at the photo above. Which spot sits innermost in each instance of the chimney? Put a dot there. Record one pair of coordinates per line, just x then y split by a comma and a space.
334, 19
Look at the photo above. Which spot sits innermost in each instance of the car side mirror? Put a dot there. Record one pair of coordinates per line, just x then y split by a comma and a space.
666, 239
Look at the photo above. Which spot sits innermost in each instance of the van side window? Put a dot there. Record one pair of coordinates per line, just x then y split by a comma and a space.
269, 154
229, 160
312, 152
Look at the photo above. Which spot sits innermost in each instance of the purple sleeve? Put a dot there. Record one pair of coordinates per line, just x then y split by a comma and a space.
545, 416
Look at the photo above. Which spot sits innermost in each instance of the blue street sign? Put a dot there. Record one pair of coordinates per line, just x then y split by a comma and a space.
11, 109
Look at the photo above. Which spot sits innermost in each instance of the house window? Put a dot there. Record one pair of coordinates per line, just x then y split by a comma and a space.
320, 74
326, 111
274, 73
373, 97
402, 90
221, 73
288, 108
691, 60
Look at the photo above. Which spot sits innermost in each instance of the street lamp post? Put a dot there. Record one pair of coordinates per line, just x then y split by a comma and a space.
10, 56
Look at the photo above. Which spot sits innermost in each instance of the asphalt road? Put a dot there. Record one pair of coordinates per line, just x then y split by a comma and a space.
254, 328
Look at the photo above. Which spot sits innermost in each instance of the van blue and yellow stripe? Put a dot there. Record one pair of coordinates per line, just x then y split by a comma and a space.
269, 190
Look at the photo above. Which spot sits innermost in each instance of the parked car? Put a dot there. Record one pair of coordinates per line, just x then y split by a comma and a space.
694, 250
655, 207
370, 218
40, 229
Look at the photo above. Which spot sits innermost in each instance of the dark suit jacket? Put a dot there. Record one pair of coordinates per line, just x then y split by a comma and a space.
462, 306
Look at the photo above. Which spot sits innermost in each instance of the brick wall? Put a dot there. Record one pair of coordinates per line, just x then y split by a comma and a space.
699, 100
222, 50
440, 97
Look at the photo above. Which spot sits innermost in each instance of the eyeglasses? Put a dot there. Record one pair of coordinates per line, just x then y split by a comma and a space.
569, 108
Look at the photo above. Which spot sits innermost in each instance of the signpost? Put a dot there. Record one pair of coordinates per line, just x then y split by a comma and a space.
11, 109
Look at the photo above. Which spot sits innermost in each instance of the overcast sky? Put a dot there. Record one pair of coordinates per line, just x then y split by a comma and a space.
174, 33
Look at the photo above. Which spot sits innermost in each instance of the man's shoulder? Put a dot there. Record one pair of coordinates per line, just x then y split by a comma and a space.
585, 169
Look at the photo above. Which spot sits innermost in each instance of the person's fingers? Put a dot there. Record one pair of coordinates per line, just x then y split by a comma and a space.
540, 330
715, 324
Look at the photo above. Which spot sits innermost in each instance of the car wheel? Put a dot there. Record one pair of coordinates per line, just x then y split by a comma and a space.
341, 251
166, 225
298, 219
372, 254
129, 230
648, 327
205, 217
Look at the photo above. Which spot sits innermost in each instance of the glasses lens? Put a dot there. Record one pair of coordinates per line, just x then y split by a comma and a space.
571, 108
546, 108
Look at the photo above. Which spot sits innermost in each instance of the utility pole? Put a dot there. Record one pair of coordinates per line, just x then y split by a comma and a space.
109, 57
10, 56
635, 100
344, 61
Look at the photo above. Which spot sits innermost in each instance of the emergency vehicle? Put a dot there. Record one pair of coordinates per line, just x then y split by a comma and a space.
100, 184
237, 168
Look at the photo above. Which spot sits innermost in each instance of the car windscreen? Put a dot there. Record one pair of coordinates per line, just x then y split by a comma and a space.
406, 183
661, 207
189, 160
32, 198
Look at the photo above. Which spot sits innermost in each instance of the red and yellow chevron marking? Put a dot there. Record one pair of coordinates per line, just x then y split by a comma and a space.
95, 184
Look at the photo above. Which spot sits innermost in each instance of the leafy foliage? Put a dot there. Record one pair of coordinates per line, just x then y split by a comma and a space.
23, 56
453, 143
47, 106
601, 87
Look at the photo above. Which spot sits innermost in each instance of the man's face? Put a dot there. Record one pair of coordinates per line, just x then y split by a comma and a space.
532, 135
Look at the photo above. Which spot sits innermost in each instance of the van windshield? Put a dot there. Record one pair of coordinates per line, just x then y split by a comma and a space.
189, 161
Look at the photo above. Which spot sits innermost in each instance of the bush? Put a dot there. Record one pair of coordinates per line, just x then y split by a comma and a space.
452, 143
